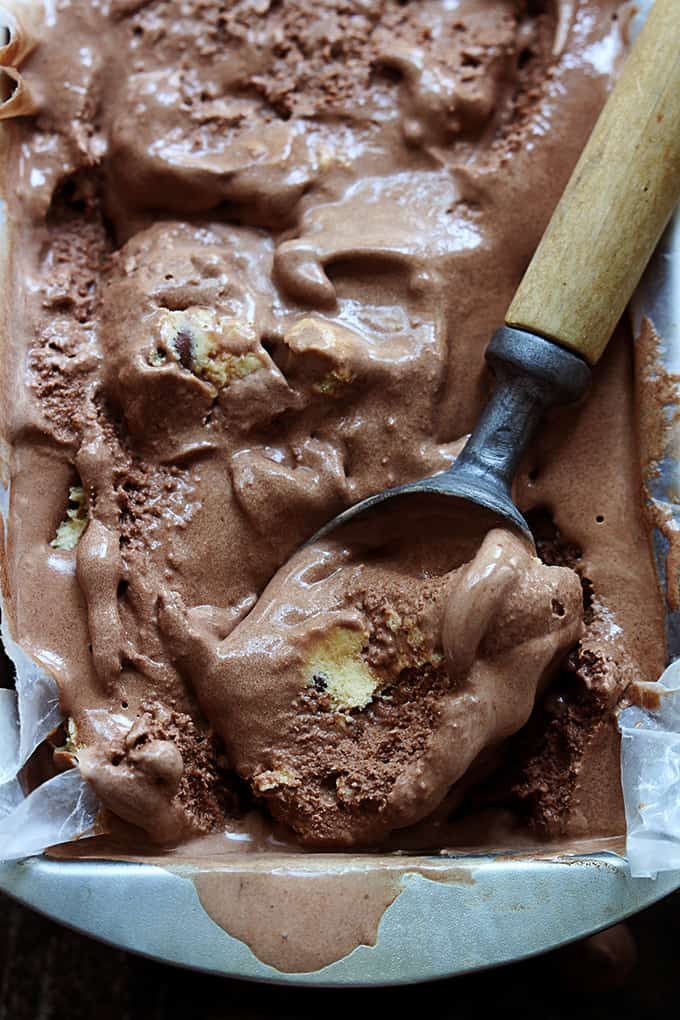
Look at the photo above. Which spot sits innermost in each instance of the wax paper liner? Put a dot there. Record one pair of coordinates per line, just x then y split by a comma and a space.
650, 762
650, 745
28, 714
60, 810
64, 807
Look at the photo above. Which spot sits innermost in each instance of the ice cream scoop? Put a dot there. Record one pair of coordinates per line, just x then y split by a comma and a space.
592, 255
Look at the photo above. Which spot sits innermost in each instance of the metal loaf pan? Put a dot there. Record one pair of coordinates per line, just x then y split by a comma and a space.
484, 911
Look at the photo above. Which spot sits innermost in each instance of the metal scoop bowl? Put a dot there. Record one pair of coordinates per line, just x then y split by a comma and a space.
531, 375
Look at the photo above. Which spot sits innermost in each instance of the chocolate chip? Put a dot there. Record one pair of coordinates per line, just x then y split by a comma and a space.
184, 348
320, 682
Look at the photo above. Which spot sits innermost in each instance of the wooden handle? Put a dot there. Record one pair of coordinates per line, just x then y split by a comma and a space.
616, 205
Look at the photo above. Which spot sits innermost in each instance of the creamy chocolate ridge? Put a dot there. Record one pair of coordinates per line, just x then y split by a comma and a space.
375, 670
255, 253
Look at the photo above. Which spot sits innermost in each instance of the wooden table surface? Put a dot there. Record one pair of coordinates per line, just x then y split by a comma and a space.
50, 973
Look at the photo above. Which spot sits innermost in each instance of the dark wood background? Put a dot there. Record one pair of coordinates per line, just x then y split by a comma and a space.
50, 973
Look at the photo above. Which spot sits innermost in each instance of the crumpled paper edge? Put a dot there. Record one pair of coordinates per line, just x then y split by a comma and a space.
650, 737
28, 714
650, 778
61, 810
64, 807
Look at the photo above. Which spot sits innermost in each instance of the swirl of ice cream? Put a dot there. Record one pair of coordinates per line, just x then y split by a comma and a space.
373, 673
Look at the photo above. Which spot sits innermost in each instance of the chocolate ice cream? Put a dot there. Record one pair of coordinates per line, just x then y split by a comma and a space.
371, 675
255, 251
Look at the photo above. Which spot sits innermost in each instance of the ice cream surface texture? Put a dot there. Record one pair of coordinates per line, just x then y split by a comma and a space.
366, 681
255, 251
